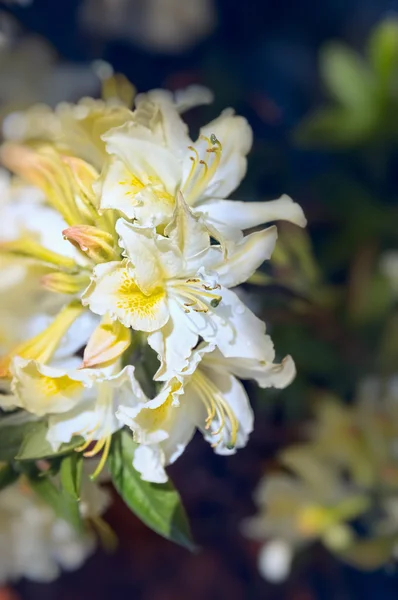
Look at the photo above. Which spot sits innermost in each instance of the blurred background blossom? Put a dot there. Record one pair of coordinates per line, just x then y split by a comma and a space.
165, 26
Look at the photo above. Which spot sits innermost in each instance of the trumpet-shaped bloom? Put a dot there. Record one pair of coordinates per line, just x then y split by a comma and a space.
175, 288
148, 165
207, 396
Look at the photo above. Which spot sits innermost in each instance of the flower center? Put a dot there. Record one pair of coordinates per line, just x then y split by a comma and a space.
152, 184
132, 300
52, 386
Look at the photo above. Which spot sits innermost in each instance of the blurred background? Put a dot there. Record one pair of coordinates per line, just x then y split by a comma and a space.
318, 82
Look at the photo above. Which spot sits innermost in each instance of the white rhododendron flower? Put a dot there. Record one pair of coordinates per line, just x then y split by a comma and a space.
77, 402
148, 166
206, 395
175, 287
125, 232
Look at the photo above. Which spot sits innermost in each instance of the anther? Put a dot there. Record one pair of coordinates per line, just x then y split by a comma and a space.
215, 302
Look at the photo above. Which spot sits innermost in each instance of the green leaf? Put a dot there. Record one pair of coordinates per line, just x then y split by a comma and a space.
335, 128
383, 49
347, 77
71, 474
13, 429
8, 475
64, 506
157, 505
35, 446
370, 554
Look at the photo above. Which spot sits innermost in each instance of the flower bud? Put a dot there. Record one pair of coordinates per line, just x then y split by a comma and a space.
97, 244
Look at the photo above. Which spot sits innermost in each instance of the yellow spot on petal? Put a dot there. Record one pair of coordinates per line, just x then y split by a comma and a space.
132, 300
52, 386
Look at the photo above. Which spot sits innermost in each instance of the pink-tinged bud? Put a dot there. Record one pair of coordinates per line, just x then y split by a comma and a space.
97, 244
107, 343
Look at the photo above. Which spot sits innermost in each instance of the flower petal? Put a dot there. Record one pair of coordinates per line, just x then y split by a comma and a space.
152, 257
150, 420
149, 461
144, 158
246, 256
264, 372
157, 109
120, 189
42, 390
78, 421
113, 291
188, 233
173, 343
236, 138
232, 327
230, 432
233, 216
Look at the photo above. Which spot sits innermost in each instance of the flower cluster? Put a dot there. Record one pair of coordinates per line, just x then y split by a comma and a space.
340, 488
119, 235
118, 256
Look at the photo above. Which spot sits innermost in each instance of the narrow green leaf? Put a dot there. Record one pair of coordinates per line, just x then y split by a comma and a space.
383, 49
64, 506
71, 474
8, 475
347, 76
158, 505
35, 446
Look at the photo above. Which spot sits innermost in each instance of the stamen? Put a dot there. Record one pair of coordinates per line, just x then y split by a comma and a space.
197, 180
105, 453
196, 291
97, 448
216, 406
84, 446
202, 162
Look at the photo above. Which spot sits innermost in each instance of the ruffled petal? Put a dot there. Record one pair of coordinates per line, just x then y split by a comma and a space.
113, 291
232, 327
173, 343
245, 257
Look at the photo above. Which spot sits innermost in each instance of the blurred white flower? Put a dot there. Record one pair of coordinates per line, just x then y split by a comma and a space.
389, 267
169, 26
31, 72
274, 560
36, 544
